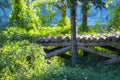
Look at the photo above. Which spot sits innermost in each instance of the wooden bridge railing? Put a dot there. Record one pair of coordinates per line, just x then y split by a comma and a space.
108, 41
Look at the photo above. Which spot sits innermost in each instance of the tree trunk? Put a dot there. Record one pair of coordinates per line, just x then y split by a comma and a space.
85, 9
73, 34
62, 22
63, 11
84, 22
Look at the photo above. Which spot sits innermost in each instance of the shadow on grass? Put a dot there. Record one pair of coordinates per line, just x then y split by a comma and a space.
86, 69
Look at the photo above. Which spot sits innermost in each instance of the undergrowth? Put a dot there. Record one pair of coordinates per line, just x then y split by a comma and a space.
22, 59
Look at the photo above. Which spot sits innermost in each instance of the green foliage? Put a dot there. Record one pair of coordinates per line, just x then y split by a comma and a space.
47, 17
85, 6
114, 23
65, 21
54, 31
80, 29
22, 59
84, 70
24, 15
14, 51
96, 29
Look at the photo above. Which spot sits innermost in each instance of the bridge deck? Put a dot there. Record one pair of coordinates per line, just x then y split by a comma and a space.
63, 44
82, 40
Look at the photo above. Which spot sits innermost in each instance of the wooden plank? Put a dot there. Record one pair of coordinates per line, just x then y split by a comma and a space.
53, 49
67, 39
59, 39
53, 39
83, 38
81, 44
58, 52
113, 60
40, 40
102, 39
46, 39
73, 33
98, 52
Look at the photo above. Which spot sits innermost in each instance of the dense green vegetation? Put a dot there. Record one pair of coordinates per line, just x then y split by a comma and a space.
21, 58
114, 23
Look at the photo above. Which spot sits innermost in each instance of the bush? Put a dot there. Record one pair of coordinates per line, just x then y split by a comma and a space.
114, 23
65, 21
24, 15
22, 59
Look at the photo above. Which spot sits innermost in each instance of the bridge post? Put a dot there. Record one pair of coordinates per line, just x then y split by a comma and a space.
73, 35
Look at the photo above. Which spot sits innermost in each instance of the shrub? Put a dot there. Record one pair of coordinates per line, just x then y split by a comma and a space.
65, 21
24, 15
114, 23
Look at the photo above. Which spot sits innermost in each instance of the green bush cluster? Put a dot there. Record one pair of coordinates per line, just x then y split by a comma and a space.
93, 29
63, 22
24, 15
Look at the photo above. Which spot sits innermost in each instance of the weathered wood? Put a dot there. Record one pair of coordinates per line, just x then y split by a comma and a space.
113, 60
67, 39
59, 38
57, 52
81, 44
83, 38
46, 39
117, 38
73, 33
98, 52
53, 39
108, 39
89, 39
79, 39
95, 39
102, 39
63, 39
53, 49
41, 40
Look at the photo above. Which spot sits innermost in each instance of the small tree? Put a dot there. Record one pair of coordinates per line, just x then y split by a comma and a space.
85, 8
24, 15
114, 23
62, 6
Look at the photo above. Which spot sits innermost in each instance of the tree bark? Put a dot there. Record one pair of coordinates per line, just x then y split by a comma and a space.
107, 55
84, 22
113, 60
73, 34
85, 9
57, 52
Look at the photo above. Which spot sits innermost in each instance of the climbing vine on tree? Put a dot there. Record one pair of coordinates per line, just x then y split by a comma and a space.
24, 15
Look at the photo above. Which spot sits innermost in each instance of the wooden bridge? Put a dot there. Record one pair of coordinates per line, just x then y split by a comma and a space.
63, 44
